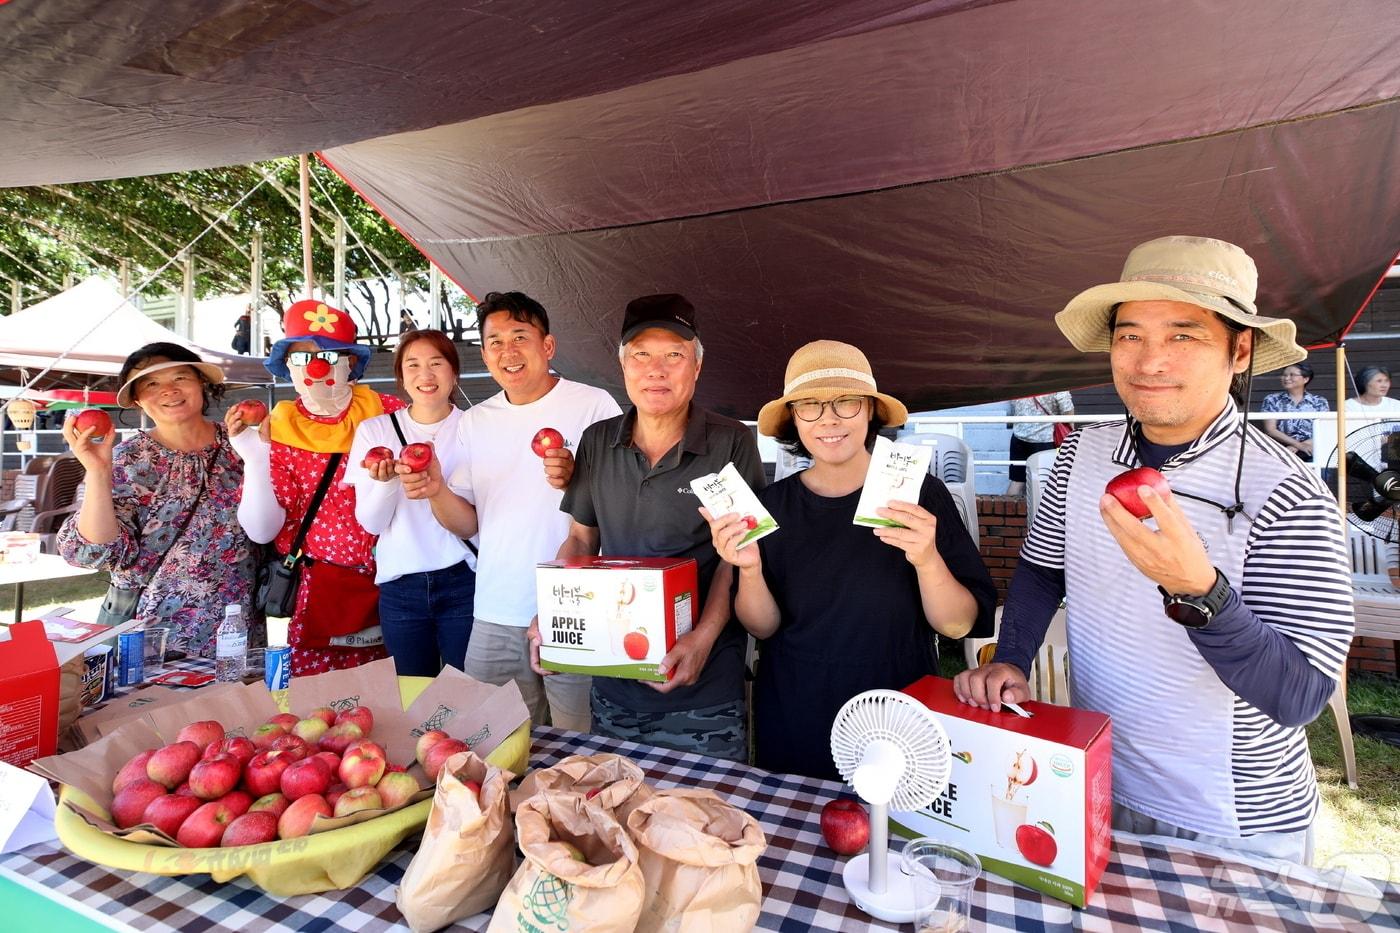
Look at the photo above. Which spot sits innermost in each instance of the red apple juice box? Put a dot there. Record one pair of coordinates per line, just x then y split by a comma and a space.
1032, 797
614, 616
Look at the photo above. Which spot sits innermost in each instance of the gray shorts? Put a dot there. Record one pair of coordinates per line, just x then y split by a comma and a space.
1296, 847
499, 653
717, 731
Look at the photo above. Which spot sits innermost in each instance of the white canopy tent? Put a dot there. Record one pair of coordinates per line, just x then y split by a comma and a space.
94, 329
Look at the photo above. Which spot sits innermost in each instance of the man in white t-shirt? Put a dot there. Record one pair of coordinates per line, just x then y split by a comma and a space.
501, 492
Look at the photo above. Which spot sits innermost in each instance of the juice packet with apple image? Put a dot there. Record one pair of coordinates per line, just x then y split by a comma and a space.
726, 492
896, 471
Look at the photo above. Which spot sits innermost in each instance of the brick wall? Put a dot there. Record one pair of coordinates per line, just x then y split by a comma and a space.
1002, 525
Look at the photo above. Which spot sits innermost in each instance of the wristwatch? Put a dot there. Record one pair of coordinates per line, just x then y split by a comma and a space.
1196, 611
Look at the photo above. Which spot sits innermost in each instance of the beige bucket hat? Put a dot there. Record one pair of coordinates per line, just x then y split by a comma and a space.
126, 395
1213, 274
824, 370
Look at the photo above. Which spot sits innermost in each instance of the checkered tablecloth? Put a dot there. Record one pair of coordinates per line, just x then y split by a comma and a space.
1149, 884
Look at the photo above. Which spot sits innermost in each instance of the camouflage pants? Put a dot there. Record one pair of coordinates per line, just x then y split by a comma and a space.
717, 731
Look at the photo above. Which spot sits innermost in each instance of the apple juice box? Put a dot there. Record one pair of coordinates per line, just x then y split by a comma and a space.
1032, 797
614, 616
726, 492
896, 471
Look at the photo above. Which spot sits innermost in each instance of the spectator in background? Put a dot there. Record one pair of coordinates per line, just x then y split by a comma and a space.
1373, 398
1294, 433
1029, 437
242, 333
160, 510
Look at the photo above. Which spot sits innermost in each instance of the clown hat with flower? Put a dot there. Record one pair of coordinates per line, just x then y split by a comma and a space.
324, 326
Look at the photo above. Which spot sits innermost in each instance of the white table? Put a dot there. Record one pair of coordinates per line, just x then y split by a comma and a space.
45, 567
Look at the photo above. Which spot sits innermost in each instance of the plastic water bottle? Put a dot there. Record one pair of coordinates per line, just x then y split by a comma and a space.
231, 646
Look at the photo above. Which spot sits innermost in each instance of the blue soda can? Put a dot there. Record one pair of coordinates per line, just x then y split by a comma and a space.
131, 658
277, 667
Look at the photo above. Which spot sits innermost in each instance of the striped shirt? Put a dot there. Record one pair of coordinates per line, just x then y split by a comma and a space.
1187, 749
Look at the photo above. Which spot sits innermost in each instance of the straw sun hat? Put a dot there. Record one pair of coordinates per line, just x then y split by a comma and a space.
825, 370
1211, 274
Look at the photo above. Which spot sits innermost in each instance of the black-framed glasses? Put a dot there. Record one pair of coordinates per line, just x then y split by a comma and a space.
303, 357
847, 406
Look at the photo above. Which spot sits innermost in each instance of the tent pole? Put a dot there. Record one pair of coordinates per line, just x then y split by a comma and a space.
124, 277
14, 296
1342, 434
255, 338
434, 298
306, 225
339, 261
185, 323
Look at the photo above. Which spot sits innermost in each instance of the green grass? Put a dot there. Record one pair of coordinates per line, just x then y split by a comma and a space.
44, 595
1356, 829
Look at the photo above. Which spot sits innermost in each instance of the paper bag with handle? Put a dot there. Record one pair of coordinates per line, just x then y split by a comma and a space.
468, 849
613, 782
699, 856
580, 870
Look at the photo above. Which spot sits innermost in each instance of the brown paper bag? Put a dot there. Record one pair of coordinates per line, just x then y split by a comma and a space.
468, 849
554, 891
616, 783
699, 856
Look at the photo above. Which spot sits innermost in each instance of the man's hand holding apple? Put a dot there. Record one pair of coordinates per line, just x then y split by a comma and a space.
726, 532
991, 685
558, 466
1173, 556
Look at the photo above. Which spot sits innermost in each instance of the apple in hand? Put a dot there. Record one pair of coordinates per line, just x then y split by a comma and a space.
845, 826
171, 765
296, 820
169, 812
417, 457
250, 829
358, 798
133, 769
1124, 488
130, 803
94, 418
252, 411
376, 456
211, 778
546, 439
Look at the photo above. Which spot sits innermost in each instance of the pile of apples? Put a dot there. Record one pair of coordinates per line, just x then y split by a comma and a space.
205, 790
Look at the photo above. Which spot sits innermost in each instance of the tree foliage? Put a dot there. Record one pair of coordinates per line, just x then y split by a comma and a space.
52, 231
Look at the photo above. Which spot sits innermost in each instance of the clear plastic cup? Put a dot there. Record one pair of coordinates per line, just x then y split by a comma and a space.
944, 877
154, 650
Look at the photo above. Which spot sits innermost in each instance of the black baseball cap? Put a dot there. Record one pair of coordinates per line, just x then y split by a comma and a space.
671, 312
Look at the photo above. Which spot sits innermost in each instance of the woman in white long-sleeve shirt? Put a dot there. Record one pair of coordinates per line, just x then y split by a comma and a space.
426, 576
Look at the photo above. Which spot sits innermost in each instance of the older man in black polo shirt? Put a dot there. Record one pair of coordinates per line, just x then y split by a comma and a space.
630, 495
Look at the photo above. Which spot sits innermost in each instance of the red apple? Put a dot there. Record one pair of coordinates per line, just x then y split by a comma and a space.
293, 745
168, 812
296, 820
362, 765
437, 756
204, 827
323, 713
574, 851
94, 418
361, 716
1124, 488
285, 720
252, 411
358, 798
397, 789
276, 804
211, 778
376, 456
239, 746
250, 829
426, 741
237, 801
1037, 842
333, 794
845, 826
133, 769
171, 765
266, 734
750, 522
204, 733
417, 456
635, 644
331, 759
184, 790
340, 736
306, 777
263, 775
310, 730
475, 788
130, 803
545, 440
593, 792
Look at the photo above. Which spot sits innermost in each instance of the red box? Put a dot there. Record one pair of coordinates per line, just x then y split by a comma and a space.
28, 694
1051, 829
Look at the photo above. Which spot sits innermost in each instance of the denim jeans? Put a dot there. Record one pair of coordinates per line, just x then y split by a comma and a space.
427, 619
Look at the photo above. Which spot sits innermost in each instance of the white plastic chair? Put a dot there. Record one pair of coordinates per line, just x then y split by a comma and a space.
1049, 678
786, 464
952, 458
1038, 467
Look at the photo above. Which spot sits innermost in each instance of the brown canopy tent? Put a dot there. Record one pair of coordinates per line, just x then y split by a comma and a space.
930, 180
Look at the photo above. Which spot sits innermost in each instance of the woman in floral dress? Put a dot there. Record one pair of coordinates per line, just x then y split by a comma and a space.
160, 511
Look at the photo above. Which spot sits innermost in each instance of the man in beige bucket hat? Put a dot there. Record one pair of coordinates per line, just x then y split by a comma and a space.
1213, 631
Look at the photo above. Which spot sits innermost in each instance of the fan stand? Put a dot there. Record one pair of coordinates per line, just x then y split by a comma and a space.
895, 902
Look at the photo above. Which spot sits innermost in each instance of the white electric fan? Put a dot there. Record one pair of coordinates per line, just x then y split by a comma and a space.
892, 749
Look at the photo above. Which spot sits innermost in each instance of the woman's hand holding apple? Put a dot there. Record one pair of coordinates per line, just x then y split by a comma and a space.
425, 484
94, 455
918, 538
382, 470
233, 420
725, 533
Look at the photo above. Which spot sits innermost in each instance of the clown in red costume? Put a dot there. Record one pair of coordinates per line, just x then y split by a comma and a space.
336, 621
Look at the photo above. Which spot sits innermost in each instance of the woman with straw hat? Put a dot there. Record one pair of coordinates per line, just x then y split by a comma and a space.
842, 609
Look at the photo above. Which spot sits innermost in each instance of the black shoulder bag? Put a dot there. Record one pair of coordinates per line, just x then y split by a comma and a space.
278, 596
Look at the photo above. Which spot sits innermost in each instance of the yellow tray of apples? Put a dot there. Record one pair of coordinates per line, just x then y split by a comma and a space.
322, 861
